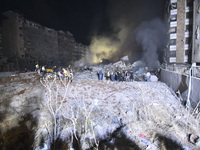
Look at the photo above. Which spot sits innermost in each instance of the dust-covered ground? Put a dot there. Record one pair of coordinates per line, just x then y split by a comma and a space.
97, 114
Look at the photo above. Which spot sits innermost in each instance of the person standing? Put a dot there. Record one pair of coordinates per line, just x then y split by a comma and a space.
100, 75
108, 75
148, 76
37, 68
131, 76
43, 70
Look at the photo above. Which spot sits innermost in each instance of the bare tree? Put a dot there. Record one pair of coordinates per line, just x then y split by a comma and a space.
65, 115
55, 93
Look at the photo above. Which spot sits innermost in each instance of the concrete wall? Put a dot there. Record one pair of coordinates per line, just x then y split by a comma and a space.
1, 46
40, 42
9, 41
65, 47
180, 40
180, 82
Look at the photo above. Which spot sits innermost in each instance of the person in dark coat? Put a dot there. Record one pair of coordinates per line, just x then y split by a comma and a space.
119, 76
108, 75
54, 68
131, 76
98, 75
123, 77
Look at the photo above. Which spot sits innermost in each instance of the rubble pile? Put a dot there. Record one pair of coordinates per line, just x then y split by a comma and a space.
148, 114
138, 68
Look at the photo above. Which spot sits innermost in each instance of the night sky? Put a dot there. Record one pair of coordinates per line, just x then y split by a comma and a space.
87, 18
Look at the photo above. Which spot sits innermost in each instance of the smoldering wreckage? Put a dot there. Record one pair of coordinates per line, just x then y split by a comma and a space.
122, 70
45, 112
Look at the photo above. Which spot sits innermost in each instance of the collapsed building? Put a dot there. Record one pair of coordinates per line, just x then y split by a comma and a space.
25, 43
180, 69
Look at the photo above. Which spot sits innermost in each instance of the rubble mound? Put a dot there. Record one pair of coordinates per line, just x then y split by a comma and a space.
97, 113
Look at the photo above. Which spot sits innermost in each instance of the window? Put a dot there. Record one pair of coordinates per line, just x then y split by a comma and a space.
188, 28
172, 30
189, 15
50, 31
173, 18
173, 5
172, 42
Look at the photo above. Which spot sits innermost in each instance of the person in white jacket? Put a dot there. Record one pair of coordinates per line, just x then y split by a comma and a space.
148, 76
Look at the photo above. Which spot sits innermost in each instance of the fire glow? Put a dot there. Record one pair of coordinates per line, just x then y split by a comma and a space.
102, 48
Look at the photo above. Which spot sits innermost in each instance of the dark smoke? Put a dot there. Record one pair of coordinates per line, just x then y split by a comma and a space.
126, 18
151, 35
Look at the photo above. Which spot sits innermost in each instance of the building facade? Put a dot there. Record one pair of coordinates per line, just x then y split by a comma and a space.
26, 43
66, 47
180, 31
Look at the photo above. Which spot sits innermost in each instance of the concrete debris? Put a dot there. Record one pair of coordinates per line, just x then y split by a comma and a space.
153, 78
193, 138
125, 58
198, 143
120, 64
141, 71
140, 109
138, 68
138, 64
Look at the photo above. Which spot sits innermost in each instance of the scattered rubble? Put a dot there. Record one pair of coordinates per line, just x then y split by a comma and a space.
146, 113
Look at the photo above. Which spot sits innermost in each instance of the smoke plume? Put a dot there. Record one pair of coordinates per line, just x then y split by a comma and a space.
151, 35
133, 31
102, 48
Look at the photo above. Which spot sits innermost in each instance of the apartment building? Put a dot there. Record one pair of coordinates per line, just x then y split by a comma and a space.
26, 43
66, 47
180, 31
1, 55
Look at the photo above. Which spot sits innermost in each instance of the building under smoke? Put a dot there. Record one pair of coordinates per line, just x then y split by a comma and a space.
26, 43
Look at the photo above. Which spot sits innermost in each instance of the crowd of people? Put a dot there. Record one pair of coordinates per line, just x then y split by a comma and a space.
117, 76
61, 72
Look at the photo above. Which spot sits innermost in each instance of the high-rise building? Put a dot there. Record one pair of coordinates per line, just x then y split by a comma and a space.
180, 31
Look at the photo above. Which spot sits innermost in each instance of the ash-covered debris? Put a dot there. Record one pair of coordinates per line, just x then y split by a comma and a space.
90, 113
137, 71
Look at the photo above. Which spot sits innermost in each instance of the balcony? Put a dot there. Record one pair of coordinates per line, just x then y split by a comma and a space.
173, 24
172, 48
173, 36
173, 12
173, 1
173, 59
